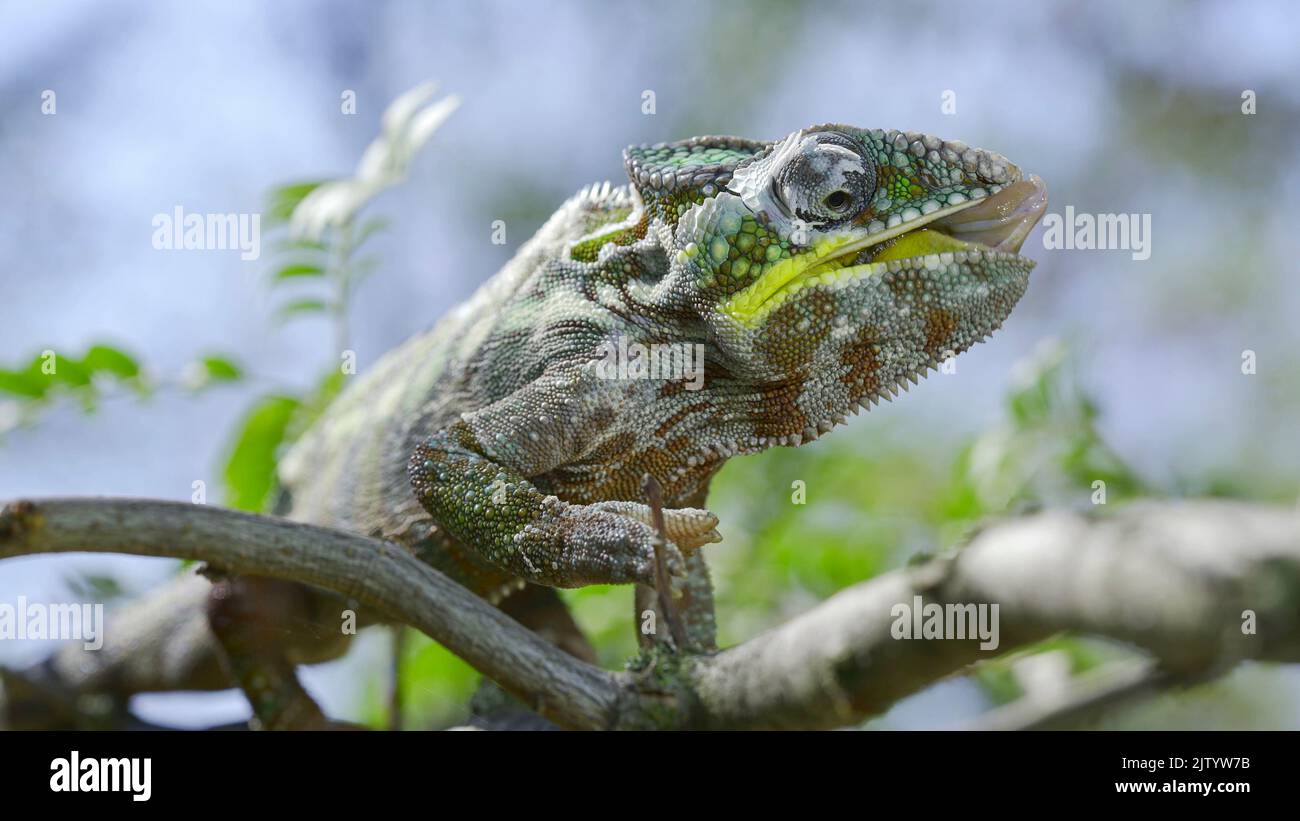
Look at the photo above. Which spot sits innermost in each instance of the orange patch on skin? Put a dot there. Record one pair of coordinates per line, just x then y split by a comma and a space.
781, 414
677, 417
608, 451
940, 326
863, 364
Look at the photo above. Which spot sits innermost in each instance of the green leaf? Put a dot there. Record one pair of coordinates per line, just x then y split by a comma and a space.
209, 370
302, 244
24, 383
71, 372
220, 369
301, 306
298, 269
250, 468
281, 202
106, 359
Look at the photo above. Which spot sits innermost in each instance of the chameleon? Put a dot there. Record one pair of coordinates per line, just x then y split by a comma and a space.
808, 278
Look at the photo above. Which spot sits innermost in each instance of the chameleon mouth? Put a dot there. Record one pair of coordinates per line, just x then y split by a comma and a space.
997, 223
992, 226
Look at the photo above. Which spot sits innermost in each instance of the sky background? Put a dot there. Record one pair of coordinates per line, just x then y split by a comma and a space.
1121, 107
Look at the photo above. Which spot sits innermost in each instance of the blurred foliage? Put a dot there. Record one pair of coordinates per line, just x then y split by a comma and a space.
94, 587
322, 272
250, 469
272, 423
320, 235
103, 372
436, 687
49, 375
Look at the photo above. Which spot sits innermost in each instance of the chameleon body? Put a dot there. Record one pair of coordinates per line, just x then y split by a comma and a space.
817, 275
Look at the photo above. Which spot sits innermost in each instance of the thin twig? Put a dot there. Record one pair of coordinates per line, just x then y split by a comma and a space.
655, 495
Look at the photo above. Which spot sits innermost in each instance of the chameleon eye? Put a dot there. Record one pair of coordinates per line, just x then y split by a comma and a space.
838, 201
827, 181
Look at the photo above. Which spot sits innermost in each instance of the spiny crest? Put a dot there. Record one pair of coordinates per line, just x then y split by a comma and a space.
673, 177
604, 210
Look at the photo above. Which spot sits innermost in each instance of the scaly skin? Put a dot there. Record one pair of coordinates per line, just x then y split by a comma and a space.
798, 265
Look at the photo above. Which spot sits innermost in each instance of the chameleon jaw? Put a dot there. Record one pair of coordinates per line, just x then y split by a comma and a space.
994, 225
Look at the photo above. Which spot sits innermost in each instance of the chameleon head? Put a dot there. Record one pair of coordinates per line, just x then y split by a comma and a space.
839, 264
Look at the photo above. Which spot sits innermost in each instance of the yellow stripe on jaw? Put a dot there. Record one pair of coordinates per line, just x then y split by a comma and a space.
789, 276
745, 304
919, 243
752, 304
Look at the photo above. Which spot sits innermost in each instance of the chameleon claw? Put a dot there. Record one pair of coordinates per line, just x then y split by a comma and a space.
688, 528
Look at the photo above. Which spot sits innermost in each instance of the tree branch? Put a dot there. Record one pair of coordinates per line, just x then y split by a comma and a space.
1082, 699
377, 573
1172, 578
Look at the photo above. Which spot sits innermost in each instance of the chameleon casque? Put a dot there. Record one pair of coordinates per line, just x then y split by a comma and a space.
821, 273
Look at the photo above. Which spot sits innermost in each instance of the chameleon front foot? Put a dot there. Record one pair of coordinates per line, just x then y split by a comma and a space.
539, 537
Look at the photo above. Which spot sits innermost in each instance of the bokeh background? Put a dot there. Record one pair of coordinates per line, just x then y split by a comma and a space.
1114, 369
